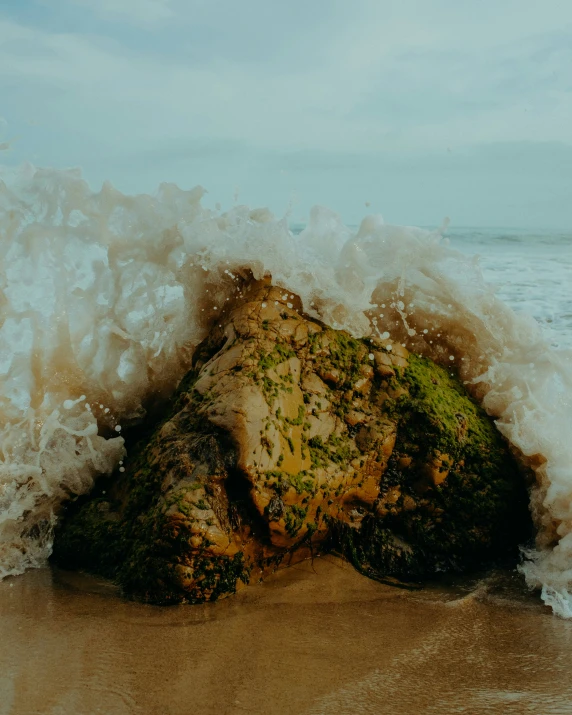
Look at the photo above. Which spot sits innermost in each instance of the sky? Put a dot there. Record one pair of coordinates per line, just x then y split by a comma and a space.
417, 109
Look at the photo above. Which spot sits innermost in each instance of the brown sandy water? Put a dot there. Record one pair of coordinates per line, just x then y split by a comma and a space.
316, 638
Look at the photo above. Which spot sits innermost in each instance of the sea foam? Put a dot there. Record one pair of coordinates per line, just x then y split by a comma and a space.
105, 296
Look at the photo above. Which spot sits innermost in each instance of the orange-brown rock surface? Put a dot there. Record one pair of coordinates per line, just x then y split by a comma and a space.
287, 438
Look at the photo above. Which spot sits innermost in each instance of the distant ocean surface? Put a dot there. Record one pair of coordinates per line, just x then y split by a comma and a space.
531, 271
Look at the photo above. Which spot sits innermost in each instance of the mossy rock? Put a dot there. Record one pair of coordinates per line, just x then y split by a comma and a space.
288, 438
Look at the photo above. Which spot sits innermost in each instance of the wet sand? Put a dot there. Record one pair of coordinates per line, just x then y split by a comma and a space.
316, 638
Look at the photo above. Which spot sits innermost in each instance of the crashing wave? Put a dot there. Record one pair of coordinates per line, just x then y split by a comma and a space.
105, 296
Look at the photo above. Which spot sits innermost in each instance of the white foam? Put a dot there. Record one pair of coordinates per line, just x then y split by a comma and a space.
105, 297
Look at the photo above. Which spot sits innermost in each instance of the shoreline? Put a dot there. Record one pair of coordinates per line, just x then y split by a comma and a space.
315, 638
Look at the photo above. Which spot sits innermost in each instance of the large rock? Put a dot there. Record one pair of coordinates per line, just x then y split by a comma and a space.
288, 438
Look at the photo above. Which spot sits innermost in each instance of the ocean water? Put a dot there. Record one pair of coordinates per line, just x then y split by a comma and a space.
105, 296
531, 271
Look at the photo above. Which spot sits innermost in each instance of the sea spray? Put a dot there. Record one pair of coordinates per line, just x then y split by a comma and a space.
105, 296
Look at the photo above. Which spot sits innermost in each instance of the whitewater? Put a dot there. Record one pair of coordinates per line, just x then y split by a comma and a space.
104, 297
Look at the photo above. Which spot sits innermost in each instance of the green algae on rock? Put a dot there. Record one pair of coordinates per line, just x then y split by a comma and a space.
288, 438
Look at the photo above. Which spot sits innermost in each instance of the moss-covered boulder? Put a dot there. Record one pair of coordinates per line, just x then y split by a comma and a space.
288, 438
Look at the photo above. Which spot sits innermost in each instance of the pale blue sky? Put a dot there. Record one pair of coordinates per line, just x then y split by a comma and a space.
423, 108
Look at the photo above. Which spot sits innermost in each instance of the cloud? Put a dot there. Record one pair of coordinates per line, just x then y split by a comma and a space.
255, 89
402, 98
136, 12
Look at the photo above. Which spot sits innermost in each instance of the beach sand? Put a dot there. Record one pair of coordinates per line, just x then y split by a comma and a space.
315, 638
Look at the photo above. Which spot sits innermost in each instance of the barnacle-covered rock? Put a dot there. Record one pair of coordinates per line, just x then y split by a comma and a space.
288, 438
